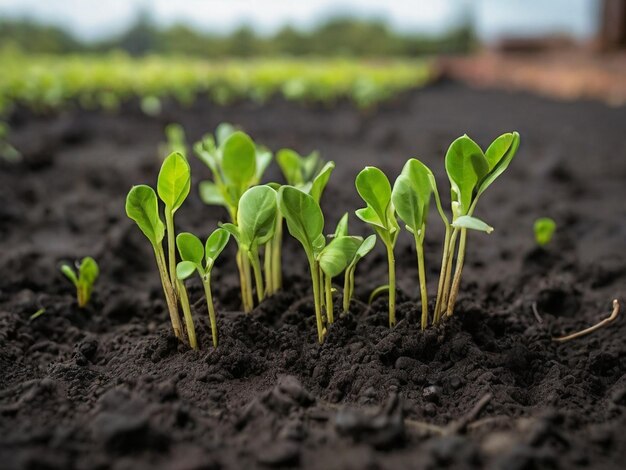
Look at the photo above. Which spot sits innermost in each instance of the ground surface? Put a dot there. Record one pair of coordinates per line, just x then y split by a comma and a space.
109, 387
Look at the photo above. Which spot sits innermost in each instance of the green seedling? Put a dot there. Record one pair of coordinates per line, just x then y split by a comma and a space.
364, 248
142, 206
411, 198
470, 172
201, 259
305, 223
544, 228
374, 188
334, 259
87, 271
175, 140
236, 164
37, 314
256, 221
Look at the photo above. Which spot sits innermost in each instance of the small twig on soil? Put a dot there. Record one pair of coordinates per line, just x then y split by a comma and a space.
593, 328
536, 313
460, 425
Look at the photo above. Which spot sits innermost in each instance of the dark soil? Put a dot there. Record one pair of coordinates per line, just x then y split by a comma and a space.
109, 387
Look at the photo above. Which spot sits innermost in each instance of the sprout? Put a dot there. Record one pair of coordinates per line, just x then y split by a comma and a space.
298, 170
256, 220
88, 272
364, 248
374, 188
236, 165
142, 207
175, 140
544, 228
470, 172
305, 222
411, 199
193, 254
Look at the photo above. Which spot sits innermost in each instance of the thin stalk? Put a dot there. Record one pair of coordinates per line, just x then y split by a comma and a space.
206, 282
316, 297
171, 248
446, 284
347, 294
328, 287
245, 262
267, 268
392, 285
170, 297
184, 302
442, 274
456, 283
258, 275
321, 278
277, 242
422, 280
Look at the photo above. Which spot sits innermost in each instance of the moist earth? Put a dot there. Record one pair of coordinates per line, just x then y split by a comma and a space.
109, 387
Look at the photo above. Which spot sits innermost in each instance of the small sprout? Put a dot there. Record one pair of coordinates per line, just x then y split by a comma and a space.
37, 314
470, 172
88, 272
175, 141
305, 222
411, 199
374, 188
333, 260
364, 248
193, 254
298, 170
544, 230
256, 221
142, 206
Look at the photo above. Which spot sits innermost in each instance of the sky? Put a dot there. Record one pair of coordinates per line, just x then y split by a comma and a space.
95, 19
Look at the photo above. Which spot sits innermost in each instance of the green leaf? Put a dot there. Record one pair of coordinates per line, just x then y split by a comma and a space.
310, 164
239, 160
232, 230
69, 273
256, 216
88, 271
184, 269
544, 228
499, 155
374, 188
215, 244
263, 159
210, 194
190, 247
174, 181
142, 207
289, 163
466, 165
304, 217
336, 256
473, 223
321, 180
342, 227
369, 216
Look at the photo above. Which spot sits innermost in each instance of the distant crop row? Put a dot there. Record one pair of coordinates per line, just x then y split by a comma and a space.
44, 82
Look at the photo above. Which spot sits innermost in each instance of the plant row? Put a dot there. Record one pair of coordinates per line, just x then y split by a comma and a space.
258, 212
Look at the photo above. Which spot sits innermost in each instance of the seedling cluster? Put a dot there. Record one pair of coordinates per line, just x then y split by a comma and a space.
83, 278
257, 213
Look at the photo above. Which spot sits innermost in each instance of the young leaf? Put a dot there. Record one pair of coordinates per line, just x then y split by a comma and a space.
473, 223
215, 244
190, 247
336, 256
321, 180
373, 186
263, 159
143, 208
69, 273
256, 216
364, 248
88, 271
305, 220
223, 131
184, 269
342, 227
499, 155
466, 165
210, 194
174, 181
239, 160
544, 230
289, 163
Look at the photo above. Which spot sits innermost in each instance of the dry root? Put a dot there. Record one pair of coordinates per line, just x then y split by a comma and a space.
593, 328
